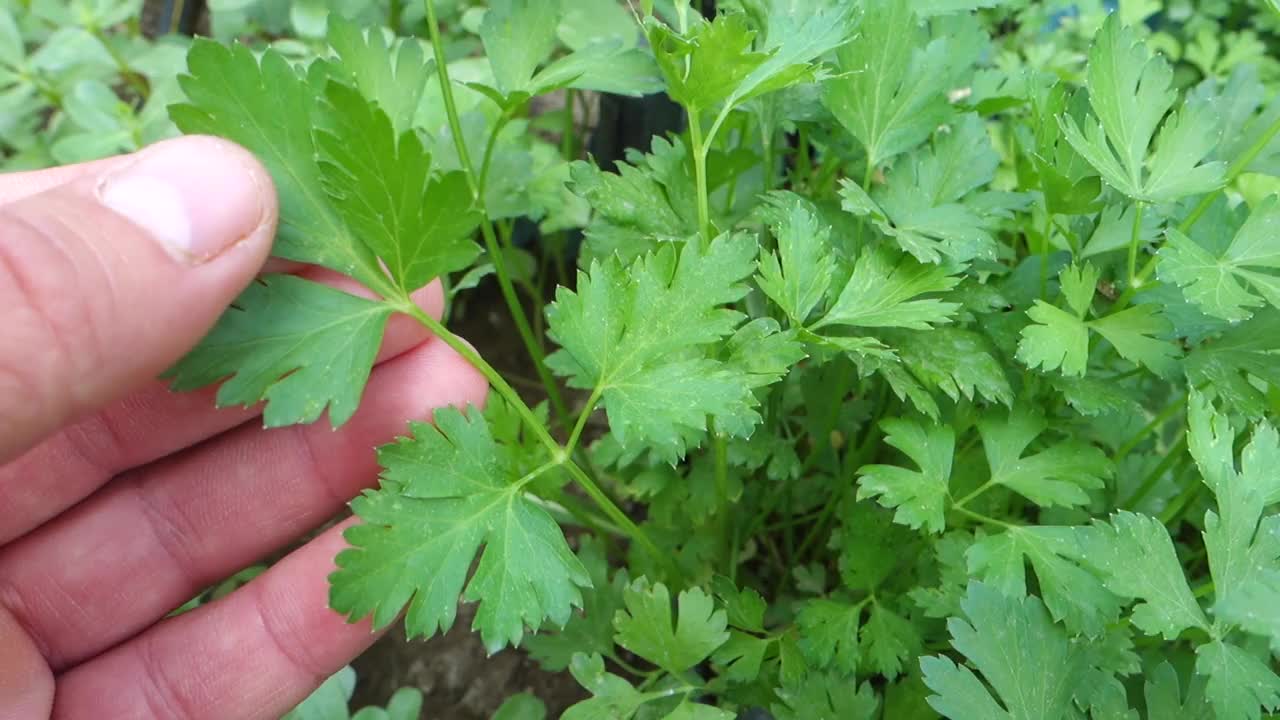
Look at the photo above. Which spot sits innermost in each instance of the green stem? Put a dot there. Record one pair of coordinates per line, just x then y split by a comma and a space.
1135, 239
1156, 423
568, 134
486, 226
959, 504
700, 174
720, 447
394, 11
582, 420
1172, 456
1044, 253
982, 518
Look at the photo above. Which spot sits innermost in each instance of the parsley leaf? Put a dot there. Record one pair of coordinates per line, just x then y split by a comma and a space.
298, 345
827, 696
1218, 282
645, 627
919, 496
1057, 475
1028, 661
638, 335
1130, 91
445, 493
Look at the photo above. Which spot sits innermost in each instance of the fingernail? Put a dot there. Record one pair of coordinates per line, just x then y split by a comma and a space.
194, 196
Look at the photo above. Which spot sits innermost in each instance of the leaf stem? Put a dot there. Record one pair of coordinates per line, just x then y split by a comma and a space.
1135, 239
1156, 423
582, 420
1172, 455
982, 518
486, 225
700, 174
959, 504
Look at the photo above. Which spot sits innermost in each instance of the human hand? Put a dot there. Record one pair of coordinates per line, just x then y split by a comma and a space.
120, 500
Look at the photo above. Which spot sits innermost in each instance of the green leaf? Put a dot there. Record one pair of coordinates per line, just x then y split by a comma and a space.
1026, 659
957, 362
1056, 340
297, 345
1239, 682
393, 76
419, 224
932, 204
827, 696
613, 697
1130, 91
590, 631
829, 634
329, 701
884, 293
890, 640
1055, 476
695, 711
1167, 606
798, 275
518, 36
918, 495
1136, 334
891, 91
638, 335
522, 706
646, 629
270, 110
1074, 596
445, 493
1220, 283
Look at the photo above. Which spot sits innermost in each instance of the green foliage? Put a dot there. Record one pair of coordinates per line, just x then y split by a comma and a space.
936, 356
331, 701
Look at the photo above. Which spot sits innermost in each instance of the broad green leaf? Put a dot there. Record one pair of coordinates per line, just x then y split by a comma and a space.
638, 335
1056, 340
1058, 475
1026, 659
591, 630
1136, 334
889, 640
645, 627
445, 493
1074, 596
1240, 683
919, 496
1220, 283
1240, 364
297, 345
957, 362
329, 701
268, 108
1130, 91
1166, 605
419, 223
518, 36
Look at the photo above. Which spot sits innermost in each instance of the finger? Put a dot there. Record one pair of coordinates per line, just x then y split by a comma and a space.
196, 518
19, 185
109, 279
252, 655
149, 424
26, 683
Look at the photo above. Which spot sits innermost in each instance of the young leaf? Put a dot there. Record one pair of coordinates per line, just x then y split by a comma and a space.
297, 345
1130, 91
1056, 339
646, 629
1239, 682
798, 275
393, 76
383, 187
1026, 659
637, 335
445, 493
890, 641
829, 634
957, 362
1219, 283
919, 495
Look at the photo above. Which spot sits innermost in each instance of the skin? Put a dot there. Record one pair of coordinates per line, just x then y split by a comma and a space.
120, 500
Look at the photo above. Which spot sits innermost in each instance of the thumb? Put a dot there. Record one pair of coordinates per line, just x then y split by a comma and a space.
108, 279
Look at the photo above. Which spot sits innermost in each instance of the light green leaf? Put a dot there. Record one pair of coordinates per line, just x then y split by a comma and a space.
829, 634
918, 495
522, 706
827, 696
394, 76
1130, 91
518, 36
1219, 283
1239, 682
1055, 476
613, 697
445, 493
885, 293
295, 344
1057, 339
646, 629
798, 275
